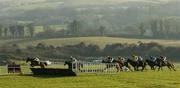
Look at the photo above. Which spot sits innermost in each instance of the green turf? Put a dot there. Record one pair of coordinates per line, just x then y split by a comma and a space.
165, 79
146, 79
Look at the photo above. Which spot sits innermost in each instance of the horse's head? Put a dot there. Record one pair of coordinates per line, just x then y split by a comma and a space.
128, 60
103, 61
159, 60
149, 61
27, 59
66, 63
151, 57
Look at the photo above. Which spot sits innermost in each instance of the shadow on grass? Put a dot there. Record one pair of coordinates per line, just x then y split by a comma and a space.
46, 76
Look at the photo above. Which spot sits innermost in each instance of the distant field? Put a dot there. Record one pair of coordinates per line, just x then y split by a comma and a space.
54, 27
100, 41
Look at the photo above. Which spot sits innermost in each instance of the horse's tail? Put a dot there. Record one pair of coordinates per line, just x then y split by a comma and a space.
45, 63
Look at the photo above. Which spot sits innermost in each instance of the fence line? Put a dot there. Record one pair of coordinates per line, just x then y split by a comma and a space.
90, 67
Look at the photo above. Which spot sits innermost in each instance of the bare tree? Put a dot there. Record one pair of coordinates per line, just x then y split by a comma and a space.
1, 30
102, 30
31, 29
5, 32
12, 30
20, 31
154, 27
142, 29
74, 27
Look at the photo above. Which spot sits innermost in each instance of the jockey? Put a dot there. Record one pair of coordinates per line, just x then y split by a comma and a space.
140, 58
121, 58
155, 59
73, 59
110, 59
135, 58
163, 58
36, 59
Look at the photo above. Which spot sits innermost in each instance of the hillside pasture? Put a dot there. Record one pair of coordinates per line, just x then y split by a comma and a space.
100, 41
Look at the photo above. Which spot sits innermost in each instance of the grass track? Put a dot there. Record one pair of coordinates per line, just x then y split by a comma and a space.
150, 79
146, 79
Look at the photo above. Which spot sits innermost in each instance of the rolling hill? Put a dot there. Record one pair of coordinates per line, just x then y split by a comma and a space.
100, 41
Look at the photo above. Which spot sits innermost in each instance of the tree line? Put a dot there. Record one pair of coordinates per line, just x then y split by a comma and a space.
17, 31
75, 28
166, 28
84, 51
161, 28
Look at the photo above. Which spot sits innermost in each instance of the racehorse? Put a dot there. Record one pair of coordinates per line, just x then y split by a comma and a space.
126, 64
161, 63
152, 64
116, 63
36, 63
136, 65
75, 65
111, 65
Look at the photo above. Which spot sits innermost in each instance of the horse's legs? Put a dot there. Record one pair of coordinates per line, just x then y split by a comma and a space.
121, 69
129, 68
42, 65
159, 68
137, 68
169, 67
117, 68
154, 68
134, 68
107, 66
173, 67
143, 68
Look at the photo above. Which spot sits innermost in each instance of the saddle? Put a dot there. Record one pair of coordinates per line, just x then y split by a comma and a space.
165, 62
139, 62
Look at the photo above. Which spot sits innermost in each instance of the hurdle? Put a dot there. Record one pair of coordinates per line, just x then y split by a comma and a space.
90, 67
14, 69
